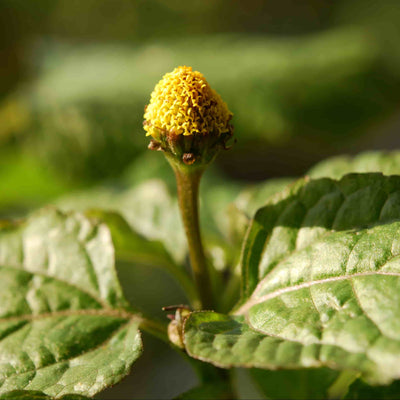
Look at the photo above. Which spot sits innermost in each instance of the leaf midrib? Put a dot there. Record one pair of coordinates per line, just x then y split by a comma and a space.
294, 194
258, 332
242, 310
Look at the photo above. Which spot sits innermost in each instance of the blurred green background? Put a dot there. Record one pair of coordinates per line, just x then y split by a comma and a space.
305, 80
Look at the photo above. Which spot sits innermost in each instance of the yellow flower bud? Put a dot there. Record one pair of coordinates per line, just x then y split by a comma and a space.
187, 118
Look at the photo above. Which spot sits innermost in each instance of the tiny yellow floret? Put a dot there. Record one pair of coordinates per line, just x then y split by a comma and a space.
183, 103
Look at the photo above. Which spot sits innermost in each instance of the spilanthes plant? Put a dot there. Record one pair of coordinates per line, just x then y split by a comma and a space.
190, 123
316, 313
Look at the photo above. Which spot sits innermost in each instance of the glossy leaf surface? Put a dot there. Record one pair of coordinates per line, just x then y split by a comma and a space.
321, 283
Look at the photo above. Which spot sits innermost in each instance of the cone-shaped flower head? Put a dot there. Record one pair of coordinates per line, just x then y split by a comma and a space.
186, 116
183, 103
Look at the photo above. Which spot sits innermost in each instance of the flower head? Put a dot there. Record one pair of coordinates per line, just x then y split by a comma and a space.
183, 103
186, 117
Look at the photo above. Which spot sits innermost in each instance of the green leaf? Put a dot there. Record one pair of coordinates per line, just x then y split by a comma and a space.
322, 284
254, 197
388, 163
148, 208
152, 213
36, 395
146, 226
213, 390
248, 202
359, 390
133, 248
295, 384
309, 210
65, 326
129, 244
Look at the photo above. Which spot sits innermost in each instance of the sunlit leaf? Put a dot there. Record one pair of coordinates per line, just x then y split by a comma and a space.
65, 326
388, 163
321, 283
36, 395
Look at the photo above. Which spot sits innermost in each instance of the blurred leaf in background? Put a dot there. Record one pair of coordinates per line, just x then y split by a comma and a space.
304, 81
285, 93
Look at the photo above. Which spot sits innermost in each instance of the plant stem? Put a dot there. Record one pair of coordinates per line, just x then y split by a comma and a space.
188, 182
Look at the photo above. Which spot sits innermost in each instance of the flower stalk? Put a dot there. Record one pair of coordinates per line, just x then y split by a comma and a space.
188, 182
190, 123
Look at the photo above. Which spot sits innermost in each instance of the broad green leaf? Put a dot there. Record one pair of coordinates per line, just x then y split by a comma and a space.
295, 384
65, 326
128, 244
36, 395
252, 198
212, 390
322, 283
151, 211
148, 207
131, 247
359, 390
309, 210
255, 196
388, 163
146, 227
248, 202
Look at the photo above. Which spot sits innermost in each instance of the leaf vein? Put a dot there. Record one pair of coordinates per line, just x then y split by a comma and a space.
35, 272
304, 285
68, 360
